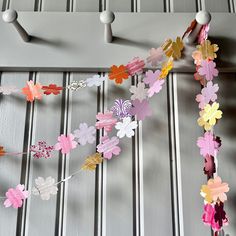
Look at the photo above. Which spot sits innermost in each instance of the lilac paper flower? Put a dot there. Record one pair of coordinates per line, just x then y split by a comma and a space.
151, 77
85, 134
121, 108
140, 109
208, 69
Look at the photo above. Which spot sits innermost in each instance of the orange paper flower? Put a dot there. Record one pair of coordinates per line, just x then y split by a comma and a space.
2, 151
52, 89
208, 50
118, 74
32, 91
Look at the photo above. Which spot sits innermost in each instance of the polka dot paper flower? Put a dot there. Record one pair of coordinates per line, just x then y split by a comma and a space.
66, 143
15, 197
45, 187
41, 150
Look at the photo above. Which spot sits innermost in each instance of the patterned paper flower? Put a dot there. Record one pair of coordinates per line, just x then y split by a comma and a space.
106, 121
156, 87
139, 92
118, 74
2, 151
202, 122
208, 50
92, 161
52, 89
209, 166
151, 77
126, 128
65, 143
207, 94
32, 91
85, 134
96, 80
156, 56
7, 90
42, 150
208, 217
135, 66
208, 144
121, 108
76, 85
166, 68
173, 48
15, 197
215, 190
220, 215
212, 113
45, 187
109, 147
140, 109
208, 69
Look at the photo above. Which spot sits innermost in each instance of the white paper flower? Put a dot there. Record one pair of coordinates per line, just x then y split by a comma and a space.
139, 92
7, 90
85, 134
45, 188
126, 127
96, 80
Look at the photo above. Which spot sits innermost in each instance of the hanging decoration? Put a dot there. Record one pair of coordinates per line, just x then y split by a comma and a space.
124, 115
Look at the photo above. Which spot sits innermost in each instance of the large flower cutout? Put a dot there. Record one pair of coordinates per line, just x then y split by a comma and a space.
126, 128
65, 143
85, 134
16, 196
45, 187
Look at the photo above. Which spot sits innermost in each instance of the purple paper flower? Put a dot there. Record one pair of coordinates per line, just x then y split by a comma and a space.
208, 69
151, 77
140, 109
121, 108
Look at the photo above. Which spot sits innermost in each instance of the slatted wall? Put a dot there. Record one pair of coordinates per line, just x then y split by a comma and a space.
152, 188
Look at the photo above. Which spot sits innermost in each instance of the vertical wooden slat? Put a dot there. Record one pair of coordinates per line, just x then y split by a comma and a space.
12, 119
24, 5
121, 5
87, 5
54, 5
183, 6
215, 5
151, 6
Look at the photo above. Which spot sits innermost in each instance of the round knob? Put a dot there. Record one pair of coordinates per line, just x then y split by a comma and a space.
9, 16
107, 17
203, 17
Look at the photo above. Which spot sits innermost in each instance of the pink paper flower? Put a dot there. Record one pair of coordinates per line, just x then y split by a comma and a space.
208, 144
208, 217
151, 77
208, 69
42, 150
85, 134
135, 66
156, 87
140, 109
156, 56
109, 147
207, 94
203, 35
106, 121
66, 143
16, 196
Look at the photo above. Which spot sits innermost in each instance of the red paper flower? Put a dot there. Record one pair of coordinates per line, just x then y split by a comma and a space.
52, 89
118, 74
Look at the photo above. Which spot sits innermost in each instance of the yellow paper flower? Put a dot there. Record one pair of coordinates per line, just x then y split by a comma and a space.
92, 161
206, 193
212, 113
208, 50
173, 48
166, 68
203, 123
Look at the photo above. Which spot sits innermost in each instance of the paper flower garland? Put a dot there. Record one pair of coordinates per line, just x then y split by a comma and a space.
214, 192
125, 114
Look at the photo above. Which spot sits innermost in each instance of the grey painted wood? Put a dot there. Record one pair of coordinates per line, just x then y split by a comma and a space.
183, 6
151, 6
87, 5
12, 138
120, 6
24, 5
216, 5
54, 5
81, 189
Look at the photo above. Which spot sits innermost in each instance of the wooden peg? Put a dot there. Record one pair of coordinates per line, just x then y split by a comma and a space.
107, 17
10, 16
202, 18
